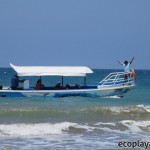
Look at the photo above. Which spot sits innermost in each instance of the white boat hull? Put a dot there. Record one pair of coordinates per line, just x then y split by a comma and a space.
101, 92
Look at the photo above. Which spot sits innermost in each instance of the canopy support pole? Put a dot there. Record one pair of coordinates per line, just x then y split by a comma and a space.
62, 79
85, 81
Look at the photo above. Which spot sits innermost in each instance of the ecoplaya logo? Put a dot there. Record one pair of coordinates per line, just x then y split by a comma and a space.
135, 144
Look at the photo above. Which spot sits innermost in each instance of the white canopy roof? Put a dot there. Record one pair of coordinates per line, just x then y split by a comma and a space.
51, 70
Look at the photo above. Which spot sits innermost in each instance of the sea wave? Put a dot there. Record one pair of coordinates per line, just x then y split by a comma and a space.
113, 109
73, 114
127, 109
124, 126
34, 129
138, 111
127, 126
71, 135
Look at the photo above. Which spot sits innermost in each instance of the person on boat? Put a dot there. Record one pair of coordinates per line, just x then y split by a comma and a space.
39, 85
77, 86
58, 86
126, 65
15, 82
68, 86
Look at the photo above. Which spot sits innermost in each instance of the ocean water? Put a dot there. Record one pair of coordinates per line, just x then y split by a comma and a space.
76, 122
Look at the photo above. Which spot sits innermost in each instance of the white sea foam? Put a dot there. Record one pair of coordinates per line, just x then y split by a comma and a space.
35, 129
120, 109
64, 127
86, 127
131, 127
41, 129
113, 97
128, 109
146, 108
57, 135
136, 126
103, 123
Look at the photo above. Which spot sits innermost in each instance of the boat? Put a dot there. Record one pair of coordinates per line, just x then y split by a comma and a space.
115, 84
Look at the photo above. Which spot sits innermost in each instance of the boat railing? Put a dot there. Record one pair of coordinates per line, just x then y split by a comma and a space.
116, 78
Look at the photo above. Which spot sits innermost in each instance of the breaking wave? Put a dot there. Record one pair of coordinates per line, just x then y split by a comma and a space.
88, 114
34, 129
39, 129
73, 135
112, 109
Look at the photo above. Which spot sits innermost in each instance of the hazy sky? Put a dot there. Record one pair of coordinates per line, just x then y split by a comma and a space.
94, 33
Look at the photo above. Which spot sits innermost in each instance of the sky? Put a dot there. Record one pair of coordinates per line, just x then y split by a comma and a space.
93, 33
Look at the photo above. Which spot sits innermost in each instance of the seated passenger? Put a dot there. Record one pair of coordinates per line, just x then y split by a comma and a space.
39, 85
68, 86
15, 82
58, 86
77, 86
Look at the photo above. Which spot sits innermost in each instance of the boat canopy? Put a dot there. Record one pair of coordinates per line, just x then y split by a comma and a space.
51, 70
